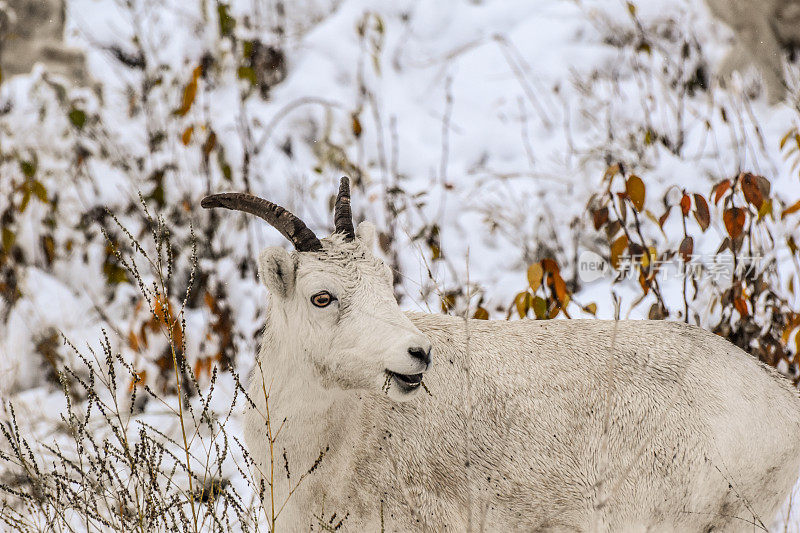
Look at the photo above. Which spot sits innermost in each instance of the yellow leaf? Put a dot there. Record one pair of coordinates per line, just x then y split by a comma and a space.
591, 308
8, 239
189, 92
535, 273
186, 136
356, 125
786, 138
523, 303
617, 248
540, 307
766, 209
635, 189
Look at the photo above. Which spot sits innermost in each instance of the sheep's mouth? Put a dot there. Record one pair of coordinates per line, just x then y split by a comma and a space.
406, 382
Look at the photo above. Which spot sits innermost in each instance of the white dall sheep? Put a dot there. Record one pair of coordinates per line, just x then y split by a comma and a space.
559, 425
762, 29
32, 31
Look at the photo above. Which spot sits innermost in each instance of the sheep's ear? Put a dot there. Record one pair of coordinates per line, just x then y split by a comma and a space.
366, 234
277, 269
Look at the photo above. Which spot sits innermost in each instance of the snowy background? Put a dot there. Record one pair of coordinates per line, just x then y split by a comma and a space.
477, 134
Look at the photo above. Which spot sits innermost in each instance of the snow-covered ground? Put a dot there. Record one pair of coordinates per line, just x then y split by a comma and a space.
486, 125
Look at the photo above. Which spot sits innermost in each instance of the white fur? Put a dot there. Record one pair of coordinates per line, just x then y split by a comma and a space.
762, 28
32, 31
532, 424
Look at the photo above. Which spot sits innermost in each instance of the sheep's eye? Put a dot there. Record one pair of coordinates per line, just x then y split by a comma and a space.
322, 299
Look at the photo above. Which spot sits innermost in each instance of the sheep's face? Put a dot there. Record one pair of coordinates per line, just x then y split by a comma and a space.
338, 312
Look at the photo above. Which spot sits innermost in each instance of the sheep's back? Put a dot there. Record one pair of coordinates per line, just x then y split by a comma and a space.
546, 427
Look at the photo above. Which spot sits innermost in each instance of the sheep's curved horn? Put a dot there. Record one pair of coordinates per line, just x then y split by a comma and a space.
288, 224
342, 215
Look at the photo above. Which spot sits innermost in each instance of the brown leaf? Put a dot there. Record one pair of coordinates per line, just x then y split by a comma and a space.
612, 229
636, 191
701, 212
600, 217
752, 192
686, 248
790, 242
763, 186
663, 218
719, 190
535, 273
734, 219
686, 204
656, 312
210, 143
481, 314
623, 207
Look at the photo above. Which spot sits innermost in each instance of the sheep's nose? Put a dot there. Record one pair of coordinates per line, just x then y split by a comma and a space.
421, 354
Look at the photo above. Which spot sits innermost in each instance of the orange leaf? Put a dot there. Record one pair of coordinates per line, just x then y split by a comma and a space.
793, 322
138, 377
636, 191
686, 204
734, 219
550, 265
209, 300
701, 212
741, 305
720, 189
794, 208
133, 342
560, 289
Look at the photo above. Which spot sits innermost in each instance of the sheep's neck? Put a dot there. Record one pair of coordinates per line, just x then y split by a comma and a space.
315, 420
